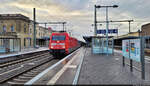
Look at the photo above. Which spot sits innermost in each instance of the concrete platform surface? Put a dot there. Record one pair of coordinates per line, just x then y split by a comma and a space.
106, 70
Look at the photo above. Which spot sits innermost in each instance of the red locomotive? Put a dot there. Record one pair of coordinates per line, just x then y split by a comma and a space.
62, 43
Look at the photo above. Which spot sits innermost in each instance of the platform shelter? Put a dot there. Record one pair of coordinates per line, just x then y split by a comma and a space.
99, 45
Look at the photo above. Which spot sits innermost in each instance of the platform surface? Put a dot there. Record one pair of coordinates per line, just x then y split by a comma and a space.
103, 69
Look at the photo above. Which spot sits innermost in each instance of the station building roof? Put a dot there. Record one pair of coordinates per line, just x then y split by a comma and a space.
129, 35
14, 16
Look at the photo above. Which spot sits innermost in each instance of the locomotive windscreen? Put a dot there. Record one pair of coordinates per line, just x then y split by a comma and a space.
60, 37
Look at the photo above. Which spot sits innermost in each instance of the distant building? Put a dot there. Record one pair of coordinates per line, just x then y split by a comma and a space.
145, 30
40, 32
43, 35
47, 35
15, 26
21, 28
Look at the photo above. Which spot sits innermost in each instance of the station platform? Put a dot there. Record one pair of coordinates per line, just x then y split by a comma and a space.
83, 67
24, 51
103, 69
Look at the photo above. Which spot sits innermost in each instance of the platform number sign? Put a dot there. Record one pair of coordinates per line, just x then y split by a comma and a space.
133, 48
110, 31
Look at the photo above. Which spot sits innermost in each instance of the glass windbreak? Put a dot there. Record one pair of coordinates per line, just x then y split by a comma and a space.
96, 42
60, 37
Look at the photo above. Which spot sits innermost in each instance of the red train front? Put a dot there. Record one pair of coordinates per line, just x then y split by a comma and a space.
62, 43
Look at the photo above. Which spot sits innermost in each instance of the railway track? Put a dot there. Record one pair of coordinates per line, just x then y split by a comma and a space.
6, 64
20, 57
27, 68
21, 71
24, 77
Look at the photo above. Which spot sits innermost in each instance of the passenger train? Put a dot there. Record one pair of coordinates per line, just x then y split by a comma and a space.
62, 44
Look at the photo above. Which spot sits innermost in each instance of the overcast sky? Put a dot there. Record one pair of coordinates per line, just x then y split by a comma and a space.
79, 14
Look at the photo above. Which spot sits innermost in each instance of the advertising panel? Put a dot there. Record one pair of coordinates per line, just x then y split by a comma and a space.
125, 48
135, 51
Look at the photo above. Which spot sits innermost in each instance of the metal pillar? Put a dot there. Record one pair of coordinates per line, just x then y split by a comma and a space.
142, 58
34, 21
113, 46
131, 61
107, 26
131, 65
142, 42
45, 25
129, 27
95, 22
123, 61
63, 26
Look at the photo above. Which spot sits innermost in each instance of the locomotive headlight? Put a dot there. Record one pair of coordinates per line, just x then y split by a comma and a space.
52, 47
53, 43
63, 46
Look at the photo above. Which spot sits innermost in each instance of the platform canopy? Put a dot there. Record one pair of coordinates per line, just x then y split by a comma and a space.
89, 38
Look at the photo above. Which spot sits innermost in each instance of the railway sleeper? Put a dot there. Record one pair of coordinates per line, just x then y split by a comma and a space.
28, 75
33, 73
38, 70
27, 78
20, 80
14, 83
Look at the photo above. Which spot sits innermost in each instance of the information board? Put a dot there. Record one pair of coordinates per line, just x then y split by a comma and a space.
135, 52
133, 49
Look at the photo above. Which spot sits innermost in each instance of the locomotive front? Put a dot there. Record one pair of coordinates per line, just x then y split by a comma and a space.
58, 43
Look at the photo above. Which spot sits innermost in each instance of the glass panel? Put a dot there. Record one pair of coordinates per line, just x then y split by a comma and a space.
96, 42
100, 45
